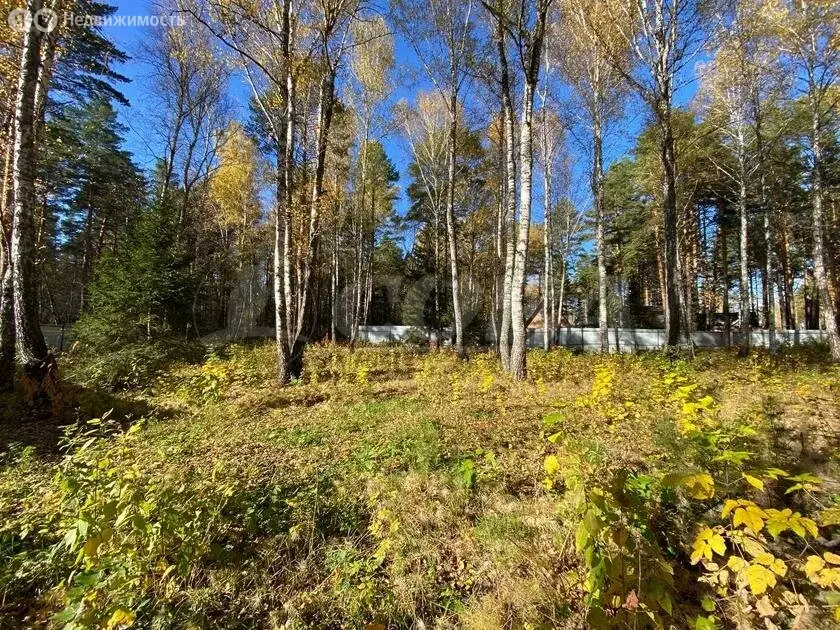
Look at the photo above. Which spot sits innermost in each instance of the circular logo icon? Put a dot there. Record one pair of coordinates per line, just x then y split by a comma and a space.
46, 20
17, 20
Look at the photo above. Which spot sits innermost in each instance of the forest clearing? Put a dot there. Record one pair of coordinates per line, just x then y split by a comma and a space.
400, 488
420, 314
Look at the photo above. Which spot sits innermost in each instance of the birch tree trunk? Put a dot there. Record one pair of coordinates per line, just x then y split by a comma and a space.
450, 223
31, 347
499, 241
280, 338
510, 252
291, 276
786, 278
510, 199
360, 242
334, 270
744, 290
548, 284
567, 245
325, 111
770, 261
526, 158
724, 272
669, 211
598, 199
437, 326
820, 274
7, 314
283, 217
562, 295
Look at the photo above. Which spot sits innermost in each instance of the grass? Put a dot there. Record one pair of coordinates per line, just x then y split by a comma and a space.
392, 488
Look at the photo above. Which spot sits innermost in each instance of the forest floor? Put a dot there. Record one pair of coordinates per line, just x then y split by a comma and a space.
396, 488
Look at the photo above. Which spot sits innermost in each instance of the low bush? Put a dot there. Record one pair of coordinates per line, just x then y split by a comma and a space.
133, 365
394, 488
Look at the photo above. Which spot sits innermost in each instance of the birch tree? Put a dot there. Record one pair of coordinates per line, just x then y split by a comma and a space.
441, 32
333, 22
582, 48
371, 63
189, 79
33, 86
664, 37
527, 27
9, 68
275, 45
262, 43
550, 139
425, 129
736, 86
497, 12
810, 31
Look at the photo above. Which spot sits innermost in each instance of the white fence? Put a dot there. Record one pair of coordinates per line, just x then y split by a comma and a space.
625, 339
635, 339
586, 339
387, 334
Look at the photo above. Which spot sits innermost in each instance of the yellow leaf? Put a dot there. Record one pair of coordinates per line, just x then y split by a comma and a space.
801, 524
759, 579
779, 567
717, 544
828, 577
728, 506
699, 485
766, 558
751, 545
831, 558
736, 563
551, 465
707, 543
121, 619
731, 504
778, 521
751, 517
754, 481
830, 516
813, 564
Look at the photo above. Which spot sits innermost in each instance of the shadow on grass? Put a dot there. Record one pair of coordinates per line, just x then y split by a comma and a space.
24, 425
113, 375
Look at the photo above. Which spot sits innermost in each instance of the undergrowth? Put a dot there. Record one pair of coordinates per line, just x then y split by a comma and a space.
398, 488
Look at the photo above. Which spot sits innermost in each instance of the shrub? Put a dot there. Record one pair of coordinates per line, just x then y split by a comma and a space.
133, 365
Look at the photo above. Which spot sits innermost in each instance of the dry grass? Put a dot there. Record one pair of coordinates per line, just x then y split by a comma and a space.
403, 488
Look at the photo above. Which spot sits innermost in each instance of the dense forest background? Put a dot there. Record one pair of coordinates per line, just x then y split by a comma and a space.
655, 164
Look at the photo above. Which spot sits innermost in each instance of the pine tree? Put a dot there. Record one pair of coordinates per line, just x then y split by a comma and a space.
142, 292
94, 191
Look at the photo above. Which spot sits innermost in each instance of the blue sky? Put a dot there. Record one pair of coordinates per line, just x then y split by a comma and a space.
141, 139
144, 143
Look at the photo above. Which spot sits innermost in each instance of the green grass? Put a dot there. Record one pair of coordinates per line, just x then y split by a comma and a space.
390, 486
